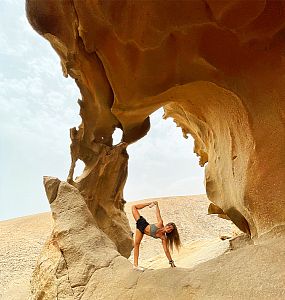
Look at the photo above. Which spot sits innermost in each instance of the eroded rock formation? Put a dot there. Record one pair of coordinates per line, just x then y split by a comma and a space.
79, 261
77, 249
216, 67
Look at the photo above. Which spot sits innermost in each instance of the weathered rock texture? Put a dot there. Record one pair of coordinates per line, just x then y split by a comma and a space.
77, 249
101, 185
79, 261
217, 68
198, 230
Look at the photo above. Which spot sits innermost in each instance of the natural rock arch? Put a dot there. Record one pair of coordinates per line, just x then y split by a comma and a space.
127, 67
217, 68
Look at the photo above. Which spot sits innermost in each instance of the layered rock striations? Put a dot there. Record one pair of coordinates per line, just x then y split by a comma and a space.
216, 67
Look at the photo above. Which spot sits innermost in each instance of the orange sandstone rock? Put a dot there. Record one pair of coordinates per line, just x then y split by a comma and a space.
217, 68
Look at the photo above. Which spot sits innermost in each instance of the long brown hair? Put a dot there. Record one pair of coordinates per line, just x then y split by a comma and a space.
173, 238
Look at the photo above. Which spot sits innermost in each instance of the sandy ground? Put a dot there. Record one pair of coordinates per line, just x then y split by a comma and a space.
21, 240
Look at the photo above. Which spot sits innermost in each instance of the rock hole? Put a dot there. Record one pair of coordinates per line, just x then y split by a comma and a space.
163, 163
79, 167
117, 136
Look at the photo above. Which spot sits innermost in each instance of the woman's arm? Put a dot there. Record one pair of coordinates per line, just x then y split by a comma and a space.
158, 216
140, 206
167, 253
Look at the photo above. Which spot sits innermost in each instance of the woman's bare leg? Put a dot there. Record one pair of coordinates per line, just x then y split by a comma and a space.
138, 239
135, 212
139, 235
136, 207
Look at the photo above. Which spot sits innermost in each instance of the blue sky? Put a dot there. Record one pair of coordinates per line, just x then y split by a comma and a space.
39, 105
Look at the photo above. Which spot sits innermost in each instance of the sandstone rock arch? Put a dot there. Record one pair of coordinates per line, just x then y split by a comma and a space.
217, 68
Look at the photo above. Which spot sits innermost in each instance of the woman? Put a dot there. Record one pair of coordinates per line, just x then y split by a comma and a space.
168, 233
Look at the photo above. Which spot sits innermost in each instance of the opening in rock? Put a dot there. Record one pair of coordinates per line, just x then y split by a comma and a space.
117, 136
170, 173
163, 163
79, 167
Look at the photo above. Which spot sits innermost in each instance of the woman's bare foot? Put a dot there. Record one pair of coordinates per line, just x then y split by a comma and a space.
152, 204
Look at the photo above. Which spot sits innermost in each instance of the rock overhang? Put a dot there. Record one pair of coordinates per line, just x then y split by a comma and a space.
215, 70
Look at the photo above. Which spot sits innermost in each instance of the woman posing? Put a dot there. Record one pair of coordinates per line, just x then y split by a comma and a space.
168, 233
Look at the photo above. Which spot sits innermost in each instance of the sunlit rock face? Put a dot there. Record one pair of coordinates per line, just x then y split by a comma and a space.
76, 252
79, 261
217, 68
